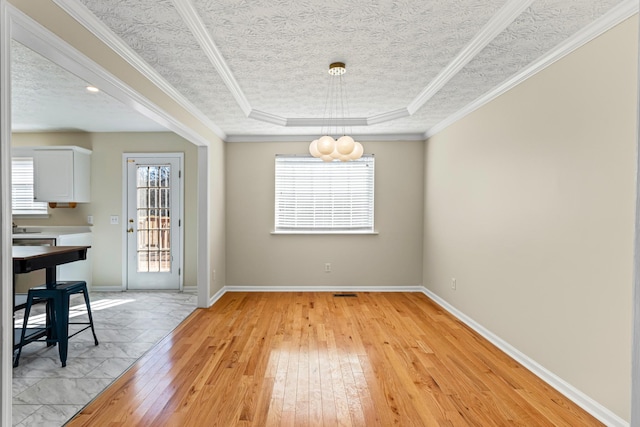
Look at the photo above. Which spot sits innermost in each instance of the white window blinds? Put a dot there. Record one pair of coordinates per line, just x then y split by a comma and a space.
22, 188
317, 196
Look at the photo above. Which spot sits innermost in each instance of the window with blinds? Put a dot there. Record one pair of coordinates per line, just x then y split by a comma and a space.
313, 196
22, 188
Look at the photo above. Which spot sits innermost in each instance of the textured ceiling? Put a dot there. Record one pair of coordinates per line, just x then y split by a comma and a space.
251, 66
45, 97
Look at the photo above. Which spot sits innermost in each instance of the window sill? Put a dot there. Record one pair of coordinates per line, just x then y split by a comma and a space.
325, 232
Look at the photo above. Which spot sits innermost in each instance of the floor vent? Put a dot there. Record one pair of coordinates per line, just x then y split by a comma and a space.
345, 295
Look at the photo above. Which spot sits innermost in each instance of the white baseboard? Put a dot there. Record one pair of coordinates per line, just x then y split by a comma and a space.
187, 289
603, 414
324, 288
217, 296
106, 289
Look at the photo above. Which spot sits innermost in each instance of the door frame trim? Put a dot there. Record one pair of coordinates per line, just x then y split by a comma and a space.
6, 263
123, 223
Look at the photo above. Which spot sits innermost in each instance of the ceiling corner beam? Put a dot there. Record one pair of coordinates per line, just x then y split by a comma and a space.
193, 21
497, 24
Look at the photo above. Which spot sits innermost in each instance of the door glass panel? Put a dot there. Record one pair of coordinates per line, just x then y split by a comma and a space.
154, 220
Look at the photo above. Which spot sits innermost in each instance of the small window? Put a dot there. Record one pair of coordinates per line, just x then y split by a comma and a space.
22, 202
313, 196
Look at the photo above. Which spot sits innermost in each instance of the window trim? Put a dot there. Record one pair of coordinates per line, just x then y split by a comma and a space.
326, 231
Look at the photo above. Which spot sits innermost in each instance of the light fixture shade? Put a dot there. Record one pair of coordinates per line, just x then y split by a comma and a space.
345, 145
313, 149
357, 152
326, 145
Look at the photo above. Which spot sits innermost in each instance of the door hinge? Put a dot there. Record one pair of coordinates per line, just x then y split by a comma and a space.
179, 271
179, 223
179, 174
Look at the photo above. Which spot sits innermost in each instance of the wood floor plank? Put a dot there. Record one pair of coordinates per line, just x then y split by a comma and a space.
312, 359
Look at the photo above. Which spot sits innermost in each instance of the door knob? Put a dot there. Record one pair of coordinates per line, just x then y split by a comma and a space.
130, 230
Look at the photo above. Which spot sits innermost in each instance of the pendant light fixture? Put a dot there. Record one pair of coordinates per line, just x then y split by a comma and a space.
327, 148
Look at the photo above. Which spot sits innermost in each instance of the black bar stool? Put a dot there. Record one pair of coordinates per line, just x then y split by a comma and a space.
31, 334
57, 297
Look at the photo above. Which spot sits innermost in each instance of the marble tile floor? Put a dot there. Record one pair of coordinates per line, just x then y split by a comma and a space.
127, 324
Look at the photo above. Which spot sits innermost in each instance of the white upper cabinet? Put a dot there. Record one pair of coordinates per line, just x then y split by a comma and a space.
62, 174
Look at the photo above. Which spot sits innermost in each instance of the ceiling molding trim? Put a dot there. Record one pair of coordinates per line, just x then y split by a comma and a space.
309, 138
497, 24
615, 16
327, 122
190, 16
267, 117
83, 15
33, 35
388, 116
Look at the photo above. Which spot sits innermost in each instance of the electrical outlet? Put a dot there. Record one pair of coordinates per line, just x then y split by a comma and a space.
90, 219
115, 220
454, 284
327, 267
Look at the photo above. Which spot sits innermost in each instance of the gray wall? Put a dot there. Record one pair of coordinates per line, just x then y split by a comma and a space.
530, 205
255, 257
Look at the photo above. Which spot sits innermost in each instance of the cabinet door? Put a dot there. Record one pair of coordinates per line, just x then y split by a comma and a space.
53, 175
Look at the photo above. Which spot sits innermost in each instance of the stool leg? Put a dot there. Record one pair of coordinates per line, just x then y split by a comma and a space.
51, 322
88, 304
25, 322
62, 326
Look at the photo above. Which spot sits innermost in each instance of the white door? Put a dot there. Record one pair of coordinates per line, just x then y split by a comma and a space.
154, 225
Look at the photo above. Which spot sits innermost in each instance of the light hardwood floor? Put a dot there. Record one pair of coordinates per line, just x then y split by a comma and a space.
298, 359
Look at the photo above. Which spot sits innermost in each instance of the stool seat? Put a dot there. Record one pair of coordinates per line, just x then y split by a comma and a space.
57, 296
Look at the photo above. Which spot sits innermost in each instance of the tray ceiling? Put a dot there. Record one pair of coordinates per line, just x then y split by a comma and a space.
257, 68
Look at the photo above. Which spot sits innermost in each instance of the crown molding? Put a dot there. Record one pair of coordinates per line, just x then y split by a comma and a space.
497, 24
615, 16
267, 117
310, 137
191, 18
504, 17
388, 116
327, 122
83, 15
